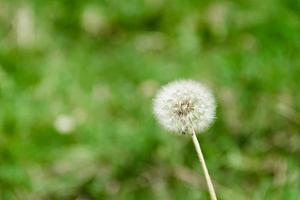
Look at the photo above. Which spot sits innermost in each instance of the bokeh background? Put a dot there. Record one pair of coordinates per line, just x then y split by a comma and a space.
77, 79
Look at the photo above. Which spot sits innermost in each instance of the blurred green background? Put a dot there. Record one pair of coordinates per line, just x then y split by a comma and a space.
77, 80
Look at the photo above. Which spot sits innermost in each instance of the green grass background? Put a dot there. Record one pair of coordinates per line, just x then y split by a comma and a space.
99, 63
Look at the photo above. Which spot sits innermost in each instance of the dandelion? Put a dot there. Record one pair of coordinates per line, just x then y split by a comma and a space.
187, 107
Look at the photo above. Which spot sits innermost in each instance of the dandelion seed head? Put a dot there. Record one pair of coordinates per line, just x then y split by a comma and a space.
181, 106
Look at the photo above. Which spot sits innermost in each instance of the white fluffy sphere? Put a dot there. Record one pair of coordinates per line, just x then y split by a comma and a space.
184, 105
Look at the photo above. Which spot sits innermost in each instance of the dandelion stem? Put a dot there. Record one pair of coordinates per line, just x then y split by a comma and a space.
203, 165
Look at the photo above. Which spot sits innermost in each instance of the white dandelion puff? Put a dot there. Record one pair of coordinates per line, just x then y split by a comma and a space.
184, 105
187, 106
